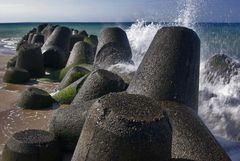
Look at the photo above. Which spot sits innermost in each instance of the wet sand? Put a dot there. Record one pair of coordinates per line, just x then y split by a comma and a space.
12, 118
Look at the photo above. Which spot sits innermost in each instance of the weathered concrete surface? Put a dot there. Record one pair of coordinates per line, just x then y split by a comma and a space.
32, 145
124, 127
113, 47
170, 68
191, 138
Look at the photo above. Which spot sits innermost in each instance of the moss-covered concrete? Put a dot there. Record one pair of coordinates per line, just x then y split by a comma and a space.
34, 98
66, 95
58, 75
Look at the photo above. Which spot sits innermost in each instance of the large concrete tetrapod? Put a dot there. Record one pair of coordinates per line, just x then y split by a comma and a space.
56, 48
67, 123
113, 47
31, 59
191, 139
32, 145
125, 127
170, 68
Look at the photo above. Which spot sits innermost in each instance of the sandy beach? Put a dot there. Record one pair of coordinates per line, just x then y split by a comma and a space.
12, 118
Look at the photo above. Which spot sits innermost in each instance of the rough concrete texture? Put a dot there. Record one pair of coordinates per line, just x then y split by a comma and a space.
191, 139
56, 48
30, 58
100, 82
170, 68
125, 127
67, 124
73, 75
82, 53
67, 94
113, 47
32, 145
34, 98
16, 76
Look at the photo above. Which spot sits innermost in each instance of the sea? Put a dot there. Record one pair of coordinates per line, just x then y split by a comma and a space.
219, 114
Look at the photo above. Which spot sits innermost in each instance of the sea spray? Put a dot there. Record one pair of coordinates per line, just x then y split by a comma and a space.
188, 12
221, 110
140, 36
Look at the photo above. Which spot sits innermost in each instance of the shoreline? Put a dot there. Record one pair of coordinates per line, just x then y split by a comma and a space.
12, 118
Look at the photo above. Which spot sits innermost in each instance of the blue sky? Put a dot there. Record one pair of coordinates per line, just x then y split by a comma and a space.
116, 10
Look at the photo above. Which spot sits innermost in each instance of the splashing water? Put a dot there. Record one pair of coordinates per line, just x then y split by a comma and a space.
188, 12
221, 113
140, 36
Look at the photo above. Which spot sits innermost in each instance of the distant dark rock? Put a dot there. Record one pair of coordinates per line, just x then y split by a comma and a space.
75, 32
41, 27
113, 47
170, 68
125, 127
30, 58
47, 31
74, 40
34, 98
16, 76
30, 36
32, 145
220, 67
83, 33
37, 39
56, 48
92, 40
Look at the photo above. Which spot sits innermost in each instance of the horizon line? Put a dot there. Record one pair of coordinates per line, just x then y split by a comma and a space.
37, 22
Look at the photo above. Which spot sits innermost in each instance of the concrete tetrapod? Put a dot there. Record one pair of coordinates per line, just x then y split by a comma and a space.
170, 68
30, 58
125, 127
73, 75
113, 47
67, 123
56, 48
16, 76
99, 83
37, 38
191, 139
82, 53
34, 98
32, 145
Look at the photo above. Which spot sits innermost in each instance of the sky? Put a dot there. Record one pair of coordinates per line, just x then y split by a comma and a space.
118, 10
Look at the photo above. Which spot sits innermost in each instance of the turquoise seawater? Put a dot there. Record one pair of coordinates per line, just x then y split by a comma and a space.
220, 115
10, 33
216, 38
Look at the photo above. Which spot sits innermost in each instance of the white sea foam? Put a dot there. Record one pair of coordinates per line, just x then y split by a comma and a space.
140, 36
10, 43
221, 113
